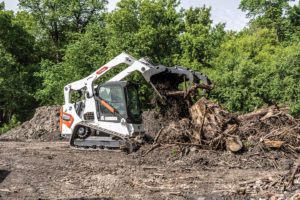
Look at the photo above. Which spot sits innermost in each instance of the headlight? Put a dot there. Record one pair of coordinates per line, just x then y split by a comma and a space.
66, 117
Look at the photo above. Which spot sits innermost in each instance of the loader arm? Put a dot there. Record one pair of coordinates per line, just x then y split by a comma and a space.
88, 81
151, 73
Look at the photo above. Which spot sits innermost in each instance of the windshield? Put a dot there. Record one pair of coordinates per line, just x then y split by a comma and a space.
113, 95
133, 103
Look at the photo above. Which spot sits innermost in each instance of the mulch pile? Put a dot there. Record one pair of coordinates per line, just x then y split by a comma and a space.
44, 126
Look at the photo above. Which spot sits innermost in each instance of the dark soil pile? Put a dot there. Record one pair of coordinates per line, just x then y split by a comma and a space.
44, 126
153, 122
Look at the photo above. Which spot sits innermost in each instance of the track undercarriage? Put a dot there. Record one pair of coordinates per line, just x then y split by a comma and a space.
87, 135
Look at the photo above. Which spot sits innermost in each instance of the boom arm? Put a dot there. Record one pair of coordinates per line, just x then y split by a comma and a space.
149, 72
87, 82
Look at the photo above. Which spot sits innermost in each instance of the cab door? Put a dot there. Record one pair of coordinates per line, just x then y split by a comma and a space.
115, 97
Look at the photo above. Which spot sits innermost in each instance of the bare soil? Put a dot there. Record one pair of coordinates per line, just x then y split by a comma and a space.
53, 170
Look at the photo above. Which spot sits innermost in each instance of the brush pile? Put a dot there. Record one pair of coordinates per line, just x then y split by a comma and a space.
272, 126
212, 127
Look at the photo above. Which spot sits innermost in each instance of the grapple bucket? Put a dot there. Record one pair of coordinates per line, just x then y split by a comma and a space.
166, 80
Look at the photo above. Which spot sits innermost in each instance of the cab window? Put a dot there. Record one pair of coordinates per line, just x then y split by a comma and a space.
114, 96
133, 103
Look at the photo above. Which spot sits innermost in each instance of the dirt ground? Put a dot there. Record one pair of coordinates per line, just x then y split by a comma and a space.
35, 163
53, 170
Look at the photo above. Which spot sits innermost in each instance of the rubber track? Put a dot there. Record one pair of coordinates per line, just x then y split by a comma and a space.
91, 126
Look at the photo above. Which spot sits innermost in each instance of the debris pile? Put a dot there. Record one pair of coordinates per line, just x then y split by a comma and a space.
173, 102
44, 126
272, 126
172, 106
212, 127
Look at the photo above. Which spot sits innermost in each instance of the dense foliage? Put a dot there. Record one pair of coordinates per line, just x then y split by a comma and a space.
50, 43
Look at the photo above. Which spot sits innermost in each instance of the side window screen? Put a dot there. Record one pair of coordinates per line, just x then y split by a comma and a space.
114, 96
134, 108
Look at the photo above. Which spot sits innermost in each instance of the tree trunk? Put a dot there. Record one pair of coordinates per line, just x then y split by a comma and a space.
56, 41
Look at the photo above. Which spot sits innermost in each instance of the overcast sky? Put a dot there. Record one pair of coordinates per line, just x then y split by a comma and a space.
222, 10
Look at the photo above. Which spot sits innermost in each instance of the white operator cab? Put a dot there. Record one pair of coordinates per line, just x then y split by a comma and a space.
107, 113
122, 115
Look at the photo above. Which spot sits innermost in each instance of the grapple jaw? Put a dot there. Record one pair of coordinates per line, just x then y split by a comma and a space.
167, 79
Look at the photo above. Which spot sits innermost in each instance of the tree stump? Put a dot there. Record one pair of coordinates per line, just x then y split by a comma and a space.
212, 125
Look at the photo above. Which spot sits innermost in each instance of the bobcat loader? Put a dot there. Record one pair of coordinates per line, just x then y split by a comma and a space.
109, 115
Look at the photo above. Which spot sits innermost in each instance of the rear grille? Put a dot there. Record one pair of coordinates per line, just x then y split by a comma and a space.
89, 116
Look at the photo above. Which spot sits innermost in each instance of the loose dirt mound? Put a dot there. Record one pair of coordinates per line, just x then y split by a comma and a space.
44, 126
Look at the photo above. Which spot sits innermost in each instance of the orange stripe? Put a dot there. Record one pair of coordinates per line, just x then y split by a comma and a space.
108, 106
101, 70
60, 119
68, 123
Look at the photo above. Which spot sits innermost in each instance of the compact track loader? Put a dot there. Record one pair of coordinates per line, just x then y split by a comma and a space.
109, 115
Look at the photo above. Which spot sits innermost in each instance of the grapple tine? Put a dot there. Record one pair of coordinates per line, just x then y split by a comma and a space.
184, 72
203, 78
161, 74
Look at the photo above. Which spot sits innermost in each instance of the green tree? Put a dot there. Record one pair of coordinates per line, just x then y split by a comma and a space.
82, 57
254, 69
18, 62
15, 39
285, 76
294, 15
15, 93
267, 13
57, 18
239, 63
6, 64
2, 6
293, 20
200, 40
145, 28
